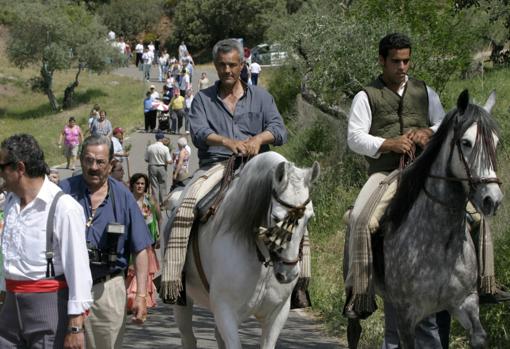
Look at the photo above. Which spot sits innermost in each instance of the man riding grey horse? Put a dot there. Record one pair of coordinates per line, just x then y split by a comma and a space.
393, 116
227, 118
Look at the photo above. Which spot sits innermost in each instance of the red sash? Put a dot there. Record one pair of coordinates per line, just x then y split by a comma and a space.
35, 286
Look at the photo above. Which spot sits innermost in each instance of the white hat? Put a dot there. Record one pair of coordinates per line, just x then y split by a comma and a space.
152, 86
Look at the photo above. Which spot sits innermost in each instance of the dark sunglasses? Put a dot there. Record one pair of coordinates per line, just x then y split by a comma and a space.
4, 165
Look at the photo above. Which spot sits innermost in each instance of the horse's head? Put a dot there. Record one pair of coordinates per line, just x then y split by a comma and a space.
288, 216
474, 162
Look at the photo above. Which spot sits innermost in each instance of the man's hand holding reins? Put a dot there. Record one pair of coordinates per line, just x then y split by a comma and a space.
400, 145
420, 136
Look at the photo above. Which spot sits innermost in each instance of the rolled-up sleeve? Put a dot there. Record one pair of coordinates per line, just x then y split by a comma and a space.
273, 121
199, 125
70, 233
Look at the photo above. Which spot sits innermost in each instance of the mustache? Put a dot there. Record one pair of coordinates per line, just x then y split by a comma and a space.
93, 173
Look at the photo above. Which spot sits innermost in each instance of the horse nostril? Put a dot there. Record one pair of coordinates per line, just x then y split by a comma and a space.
280, 277
489, 207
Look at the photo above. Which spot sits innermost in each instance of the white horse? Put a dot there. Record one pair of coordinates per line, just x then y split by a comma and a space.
250, 270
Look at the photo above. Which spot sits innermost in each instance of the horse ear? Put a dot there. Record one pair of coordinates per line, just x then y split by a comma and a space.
281, 174
491, 101
463, 101
314, 172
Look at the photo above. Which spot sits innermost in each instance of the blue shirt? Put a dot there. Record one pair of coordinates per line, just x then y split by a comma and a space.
136, 235
255, 113
147, 104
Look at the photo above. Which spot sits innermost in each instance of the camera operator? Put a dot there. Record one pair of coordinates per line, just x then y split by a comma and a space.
115, 229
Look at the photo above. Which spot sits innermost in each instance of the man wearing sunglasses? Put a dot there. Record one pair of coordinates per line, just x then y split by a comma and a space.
45, 264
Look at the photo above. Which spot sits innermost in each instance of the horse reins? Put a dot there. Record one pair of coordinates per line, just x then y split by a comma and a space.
472, 180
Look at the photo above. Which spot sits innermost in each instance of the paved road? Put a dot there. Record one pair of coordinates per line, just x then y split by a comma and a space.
160, 331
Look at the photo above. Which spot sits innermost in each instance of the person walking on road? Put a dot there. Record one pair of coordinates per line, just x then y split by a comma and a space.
115, 232
178, 107
101, 126
255, 70
158, 158
47, 285
149, 113
72, 136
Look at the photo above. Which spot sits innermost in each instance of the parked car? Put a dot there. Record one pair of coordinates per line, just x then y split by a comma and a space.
268, 54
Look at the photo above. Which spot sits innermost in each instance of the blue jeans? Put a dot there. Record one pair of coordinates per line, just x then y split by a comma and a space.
431, 333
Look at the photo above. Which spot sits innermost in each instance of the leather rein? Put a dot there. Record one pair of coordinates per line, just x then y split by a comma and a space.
473, 181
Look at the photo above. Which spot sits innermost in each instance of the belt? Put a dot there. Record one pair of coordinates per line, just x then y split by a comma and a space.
107, 277
156, 165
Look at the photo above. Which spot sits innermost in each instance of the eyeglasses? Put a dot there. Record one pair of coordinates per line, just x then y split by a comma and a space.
4, 165
101, 163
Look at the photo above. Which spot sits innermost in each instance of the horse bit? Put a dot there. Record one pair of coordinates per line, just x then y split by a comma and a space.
277, 237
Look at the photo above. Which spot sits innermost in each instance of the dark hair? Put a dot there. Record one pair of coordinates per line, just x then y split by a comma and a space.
134, 178
393, 41
97, 140
72, 119
24, 148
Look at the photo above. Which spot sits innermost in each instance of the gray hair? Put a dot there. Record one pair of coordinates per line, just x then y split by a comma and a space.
97, 140
226, 46
182, 142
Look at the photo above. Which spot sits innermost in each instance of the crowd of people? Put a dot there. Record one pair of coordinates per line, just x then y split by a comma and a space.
80, 252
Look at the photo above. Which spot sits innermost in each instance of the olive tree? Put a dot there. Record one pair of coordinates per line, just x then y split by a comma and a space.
201, 23
58, 35
336, 43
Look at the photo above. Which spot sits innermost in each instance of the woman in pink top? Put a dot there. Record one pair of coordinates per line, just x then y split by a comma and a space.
72, 137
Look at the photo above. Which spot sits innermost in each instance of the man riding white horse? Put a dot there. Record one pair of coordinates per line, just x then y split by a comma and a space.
391, 118
227, 118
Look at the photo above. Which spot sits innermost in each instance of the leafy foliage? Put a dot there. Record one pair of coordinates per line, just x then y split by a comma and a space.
337, 46
131, 17
56, 36
201, 23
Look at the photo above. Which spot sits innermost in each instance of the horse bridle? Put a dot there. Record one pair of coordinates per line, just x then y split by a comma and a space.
287, 226
473, 181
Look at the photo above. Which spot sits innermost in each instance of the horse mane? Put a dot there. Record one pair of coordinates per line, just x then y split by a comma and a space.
247, 200
413, 178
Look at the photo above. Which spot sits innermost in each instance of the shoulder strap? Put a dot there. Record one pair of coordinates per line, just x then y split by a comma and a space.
50, 270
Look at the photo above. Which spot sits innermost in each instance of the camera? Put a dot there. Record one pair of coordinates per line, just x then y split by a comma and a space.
108, 255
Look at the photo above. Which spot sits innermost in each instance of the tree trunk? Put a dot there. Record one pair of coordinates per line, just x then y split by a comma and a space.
47, 76
69, 91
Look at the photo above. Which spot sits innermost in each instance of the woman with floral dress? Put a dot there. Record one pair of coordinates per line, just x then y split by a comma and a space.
139, 185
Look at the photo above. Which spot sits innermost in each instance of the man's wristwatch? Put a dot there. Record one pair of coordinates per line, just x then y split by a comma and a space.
75, 329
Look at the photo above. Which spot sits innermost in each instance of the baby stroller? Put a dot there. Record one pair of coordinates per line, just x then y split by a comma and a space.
164, 121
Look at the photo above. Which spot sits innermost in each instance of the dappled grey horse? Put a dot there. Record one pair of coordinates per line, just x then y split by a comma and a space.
430, 260
249, 252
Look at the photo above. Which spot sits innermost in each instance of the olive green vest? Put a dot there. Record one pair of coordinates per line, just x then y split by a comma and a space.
393, 115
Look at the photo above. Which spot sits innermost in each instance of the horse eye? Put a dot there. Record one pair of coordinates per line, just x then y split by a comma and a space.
466, 143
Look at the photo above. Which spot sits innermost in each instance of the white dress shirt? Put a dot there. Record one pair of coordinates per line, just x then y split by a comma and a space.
360, 121
255, 68
24, 243
158, 154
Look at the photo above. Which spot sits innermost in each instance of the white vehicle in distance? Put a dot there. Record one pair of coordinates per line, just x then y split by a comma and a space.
268, 54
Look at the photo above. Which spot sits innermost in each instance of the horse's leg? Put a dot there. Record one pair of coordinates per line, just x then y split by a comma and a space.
183, 317
468, 316
272, 325
353, 333
219, 340
227, 324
